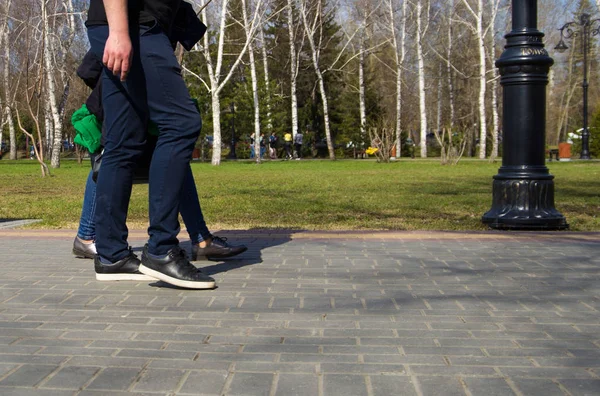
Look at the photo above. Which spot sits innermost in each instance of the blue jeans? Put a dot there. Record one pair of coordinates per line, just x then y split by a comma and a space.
155, 91
87, 226
190, 209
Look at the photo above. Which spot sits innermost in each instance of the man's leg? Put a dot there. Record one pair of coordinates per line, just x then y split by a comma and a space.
179, 124
125, 123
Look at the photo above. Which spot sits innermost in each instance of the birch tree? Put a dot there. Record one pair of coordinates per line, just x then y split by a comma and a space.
399, 56
422, 27
312, 29
481, 31
218, 79
449, 69
361, 77
254, 78
265, 61
294, 66
8, 100
494, 78
32, 72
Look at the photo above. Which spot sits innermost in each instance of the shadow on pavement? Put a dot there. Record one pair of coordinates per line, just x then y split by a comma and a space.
256, 239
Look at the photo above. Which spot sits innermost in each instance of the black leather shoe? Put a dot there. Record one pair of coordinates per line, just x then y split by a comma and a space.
175, 269
84, 250
218, 249
125, 269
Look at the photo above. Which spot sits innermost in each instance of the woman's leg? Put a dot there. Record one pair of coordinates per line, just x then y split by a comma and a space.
87, 226
191, 211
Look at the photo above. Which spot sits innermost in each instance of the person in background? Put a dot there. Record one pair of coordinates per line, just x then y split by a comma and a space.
273, 146
298, 145
263, 145
251, 139
287, 145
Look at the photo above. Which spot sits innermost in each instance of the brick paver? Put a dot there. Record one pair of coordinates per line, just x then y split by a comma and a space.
311, 314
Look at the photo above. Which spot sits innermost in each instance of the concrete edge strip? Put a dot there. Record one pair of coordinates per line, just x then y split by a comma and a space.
368, 235
17, 223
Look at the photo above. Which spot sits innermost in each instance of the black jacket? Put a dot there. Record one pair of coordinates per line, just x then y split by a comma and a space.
176, 17
90, 72
140, 11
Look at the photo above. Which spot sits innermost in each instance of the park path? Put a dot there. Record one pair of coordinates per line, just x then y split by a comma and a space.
311, 313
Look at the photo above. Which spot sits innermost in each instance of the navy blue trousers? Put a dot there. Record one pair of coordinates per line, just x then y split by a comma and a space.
155, 91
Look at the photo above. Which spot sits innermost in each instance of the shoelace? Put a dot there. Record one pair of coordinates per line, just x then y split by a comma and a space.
181, 255
222, 240
131, 252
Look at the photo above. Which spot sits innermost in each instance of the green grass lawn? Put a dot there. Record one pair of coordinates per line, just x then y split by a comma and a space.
312, 195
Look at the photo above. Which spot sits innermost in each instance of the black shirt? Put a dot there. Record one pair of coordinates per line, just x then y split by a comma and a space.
140, 11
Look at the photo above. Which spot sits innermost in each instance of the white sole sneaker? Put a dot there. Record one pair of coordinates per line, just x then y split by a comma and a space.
124, 277
175, 281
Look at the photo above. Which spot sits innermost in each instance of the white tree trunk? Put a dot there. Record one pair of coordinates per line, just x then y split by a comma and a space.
361, 84
399, 55
294, 68
265, 60
495, 115
218, 82
438, 124
48, 128
449, 70
51, 89
310, 30
254, 79
7, 90
11, 132
482, 82
326, 115
216, 110
421, 72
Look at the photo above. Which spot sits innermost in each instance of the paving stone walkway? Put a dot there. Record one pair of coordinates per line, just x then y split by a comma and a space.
322, 314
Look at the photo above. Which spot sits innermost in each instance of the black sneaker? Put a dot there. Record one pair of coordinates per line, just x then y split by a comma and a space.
218, 249
175, 269
125, 269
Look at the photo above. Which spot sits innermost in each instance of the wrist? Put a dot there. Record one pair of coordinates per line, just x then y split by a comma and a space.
118, 31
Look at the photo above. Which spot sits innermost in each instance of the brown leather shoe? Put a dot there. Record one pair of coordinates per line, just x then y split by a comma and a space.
218, 249
84, 250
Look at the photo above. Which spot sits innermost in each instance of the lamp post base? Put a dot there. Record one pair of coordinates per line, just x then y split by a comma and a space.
524, 204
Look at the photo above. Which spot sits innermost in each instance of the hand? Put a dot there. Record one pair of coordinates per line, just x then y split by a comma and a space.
118, 53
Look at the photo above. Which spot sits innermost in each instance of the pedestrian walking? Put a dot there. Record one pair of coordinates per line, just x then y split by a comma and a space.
87, 122
287, 145
273, 146
263, 145
142, 80
298, 145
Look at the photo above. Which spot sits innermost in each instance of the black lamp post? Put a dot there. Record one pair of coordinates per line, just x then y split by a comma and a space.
232, 155
586, 31
523, 190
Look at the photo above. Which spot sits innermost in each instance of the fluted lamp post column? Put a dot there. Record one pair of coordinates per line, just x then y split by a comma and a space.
523, 189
